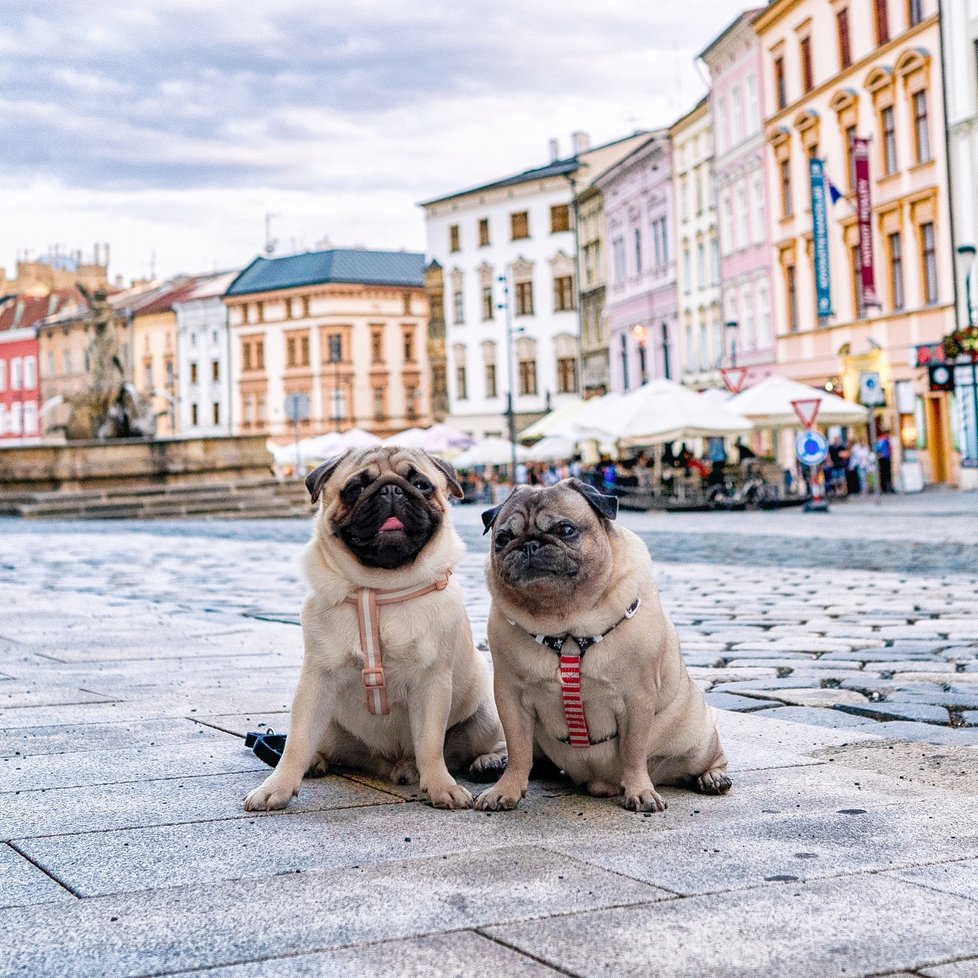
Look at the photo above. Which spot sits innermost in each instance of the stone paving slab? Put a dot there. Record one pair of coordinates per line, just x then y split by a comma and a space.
166, 801
959, 878
827, 929
226, 923
23, 884
463, 954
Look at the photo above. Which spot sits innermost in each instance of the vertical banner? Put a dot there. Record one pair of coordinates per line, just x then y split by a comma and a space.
820, 239
864, 208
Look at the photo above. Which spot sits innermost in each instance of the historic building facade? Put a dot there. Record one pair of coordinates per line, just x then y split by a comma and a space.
735, 63
835, 74
641, 289
345, 329
203, 371
434, 287
508, 251
591, 234
700, 332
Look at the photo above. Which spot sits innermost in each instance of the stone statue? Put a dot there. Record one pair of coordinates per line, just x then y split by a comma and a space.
110, 407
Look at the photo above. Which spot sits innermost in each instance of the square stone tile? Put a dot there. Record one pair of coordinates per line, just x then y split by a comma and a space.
22, 884
829, 929
225, 923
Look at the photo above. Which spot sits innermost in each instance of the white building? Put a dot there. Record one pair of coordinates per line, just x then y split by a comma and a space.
698, 266
514, 237
204, 359
959, 41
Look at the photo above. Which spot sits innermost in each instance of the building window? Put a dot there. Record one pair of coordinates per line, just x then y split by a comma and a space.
888, 127
764, 302
857, 284
915, 12
559, 218
737, 105
637, 238
303, 351
453, 244
527, 376
566, 375
334, 347
687, 271
807, 76
791, 298
842, 25
753, 106
460, 389
920, 131
15, 374
245, 355
193, 415
928, 254
563, 293
483, 231
882, 23
260, 356
490, 380
786, 205
16, 418
380, 410
779, 83
487, 304
458, 306
290, 351
701, 264
30, 373
715, 261
409, 346
149, 374
520, 223
851, 155
3, 374
524, 298
216, 413
666, 359
215, 369
30, 418
895, 248
377, 346
410, 403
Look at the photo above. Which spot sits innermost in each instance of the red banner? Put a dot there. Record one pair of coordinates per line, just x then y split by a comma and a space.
864, 213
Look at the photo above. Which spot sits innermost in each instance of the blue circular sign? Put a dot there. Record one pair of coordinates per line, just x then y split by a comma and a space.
811, 448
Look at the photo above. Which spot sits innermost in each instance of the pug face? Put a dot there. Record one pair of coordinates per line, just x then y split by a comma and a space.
384, 504
551, 545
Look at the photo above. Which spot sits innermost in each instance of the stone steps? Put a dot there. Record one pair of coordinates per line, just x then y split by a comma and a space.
251, 499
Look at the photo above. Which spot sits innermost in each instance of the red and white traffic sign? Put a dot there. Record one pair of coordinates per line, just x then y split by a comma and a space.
807, 410
734, 378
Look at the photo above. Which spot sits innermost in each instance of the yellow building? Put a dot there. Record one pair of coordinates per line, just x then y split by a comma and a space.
834, 72
345, 328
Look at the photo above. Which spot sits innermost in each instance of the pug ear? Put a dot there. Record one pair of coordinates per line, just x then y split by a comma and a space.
320, 475
448, 470
606, 506
489, 517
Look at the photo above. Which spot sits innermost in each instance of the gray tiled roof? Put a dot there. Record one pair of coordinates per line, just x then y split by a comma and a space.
349, 265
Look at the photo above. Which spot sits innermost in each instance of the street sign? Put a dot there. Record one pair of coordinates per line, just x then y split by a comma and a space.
811, 448
297, 407
870, 390
807, 410
734, 378
941, 378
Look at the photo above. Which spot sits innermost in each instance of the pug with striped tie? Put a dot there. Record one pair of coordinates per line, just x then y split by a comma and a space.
587, 667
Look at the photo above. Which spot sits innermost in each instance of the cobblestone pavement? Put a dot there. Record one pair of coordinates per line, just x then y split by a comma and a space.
133, 658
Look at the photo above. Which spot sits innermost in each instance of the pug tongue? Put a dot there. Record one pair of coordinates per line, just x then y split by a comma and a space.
391, 523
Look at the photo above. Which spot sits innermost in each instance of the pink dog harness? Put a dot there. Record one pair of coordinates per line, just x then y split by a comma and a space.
368, 601
569, 673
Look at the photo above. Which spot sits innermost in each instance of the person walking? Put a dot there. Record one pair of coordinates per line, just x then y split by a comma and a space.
884, 459
860, 459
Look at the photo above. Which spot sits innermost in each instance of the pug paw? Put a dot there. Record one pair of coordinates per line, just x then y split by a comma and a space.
449, 796
487, 767
713, 783
496, 799
319, 767
643, 800
269, 797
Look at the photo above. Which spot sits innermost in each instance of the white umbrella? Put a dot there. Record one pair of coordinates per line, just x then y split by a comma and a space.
556, 421
357, 438
553, 448
661, 411
768, 404
409, 438
490, 451
319, 447
437, 438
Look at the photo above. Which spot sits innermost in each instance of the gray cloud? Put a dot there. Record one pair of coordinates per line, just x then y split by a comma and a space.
183, 95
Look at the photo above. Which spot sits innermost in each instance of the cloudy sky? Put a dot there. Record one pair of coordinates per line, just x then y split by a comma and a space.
170, 128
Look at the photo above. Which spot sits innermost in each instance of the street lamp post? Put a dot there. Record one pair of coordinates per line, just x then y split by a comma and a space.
966, 261
510, 415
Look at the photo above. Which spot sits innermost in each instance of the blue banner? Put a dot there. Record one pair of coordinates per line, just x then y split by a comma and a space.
820, 239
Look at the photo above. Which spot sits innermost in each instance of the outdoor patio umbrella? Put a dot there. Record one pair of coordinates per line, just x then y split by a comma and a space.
658, 412
490, 451
768, 404
553, 448
556, 421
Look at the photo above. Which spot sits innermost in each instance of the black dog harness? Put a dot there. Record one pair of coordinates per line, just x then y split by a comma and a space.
569, 673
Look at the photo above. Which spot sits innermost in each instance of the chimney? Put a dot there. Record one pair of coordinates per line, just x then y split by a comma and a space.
580, 142
554, 151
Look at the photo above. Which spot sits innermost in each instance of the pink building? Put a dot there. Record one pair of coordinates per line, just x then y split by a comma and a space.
19, 388
734, 60
641, 289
